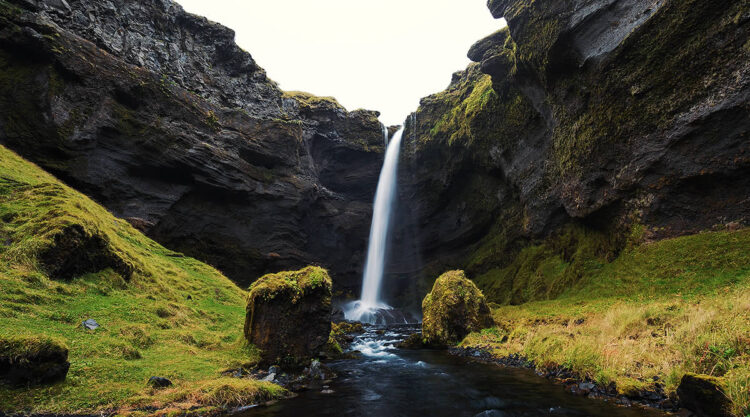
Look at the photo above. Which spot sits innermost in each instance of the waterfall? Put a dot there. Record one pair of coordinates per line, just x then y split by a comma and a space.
385, 136
366, 308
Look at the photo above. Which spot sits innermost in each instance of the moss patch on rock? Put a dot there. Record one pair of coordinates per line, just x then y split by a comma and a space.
704, 395
288, 315
32, 360
454, 308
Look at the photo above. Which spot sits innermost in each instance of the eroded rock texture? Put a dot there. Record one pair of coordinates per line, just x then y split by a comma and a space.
583, 126
289, 316
160, 117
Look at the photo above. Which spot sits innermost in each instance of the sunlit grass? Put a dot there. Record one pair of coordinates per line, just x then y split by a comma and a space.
658, 311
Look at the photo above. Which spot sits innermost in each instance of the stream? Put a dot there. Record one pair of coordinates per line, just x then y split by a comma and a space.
387, 381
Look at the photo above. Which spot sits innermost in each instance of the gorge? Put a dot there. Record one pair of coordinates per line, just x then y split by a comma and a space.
574, 204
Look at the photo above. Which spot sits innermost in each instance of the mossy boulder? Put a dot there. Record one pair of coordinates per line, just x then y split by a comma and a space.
289, 316
454, 308
32, 361
703, 395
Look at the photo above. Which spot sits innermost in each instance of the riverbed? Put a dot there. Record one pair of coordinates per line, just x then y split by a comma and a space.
387, 381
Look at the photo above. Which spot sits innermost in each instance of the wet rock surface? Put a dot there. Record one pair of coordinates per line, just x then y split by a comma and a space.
161, 118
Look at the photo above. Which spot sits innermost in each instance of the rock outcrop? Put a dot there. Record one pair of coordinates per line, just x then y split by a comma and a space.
454, 308
161, 118
32, 361
289, 316
704, 396
583, 127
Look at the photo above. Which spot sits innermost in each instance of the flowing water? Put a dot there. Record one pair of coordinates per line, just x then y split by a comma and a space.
387, 381
366, 309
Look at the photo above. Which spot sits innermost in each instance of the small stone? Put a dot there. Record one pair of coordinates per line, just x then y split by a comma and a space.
90, 324
327, 391
159, 382
586, 386
270, 377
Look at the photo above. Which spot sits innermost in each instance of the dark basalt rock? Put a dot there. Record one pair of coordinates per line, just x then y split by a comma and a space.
161, 118
704, 396
159, 382
289, 316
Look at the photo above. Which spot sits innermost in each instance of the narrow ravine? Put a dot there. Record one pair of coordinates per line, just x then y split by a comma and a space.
387, 381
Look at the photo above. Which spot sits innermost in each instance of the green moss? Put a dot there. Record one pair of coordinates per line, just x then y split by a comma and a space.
19, 350
310, 100
34, 206
454, 308
650, 80
294, 283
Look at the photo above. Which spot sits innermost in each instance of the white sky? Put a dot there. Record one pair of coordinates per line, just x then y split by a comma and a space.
376, 54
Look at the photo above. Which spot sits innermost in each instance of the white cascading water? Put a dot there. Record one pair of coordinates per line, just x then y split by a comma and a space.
364, 309
385, 136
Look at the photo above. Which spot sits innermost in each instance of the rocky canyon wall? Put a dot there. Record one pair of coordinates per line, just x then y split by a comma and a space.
583, 127
158, 115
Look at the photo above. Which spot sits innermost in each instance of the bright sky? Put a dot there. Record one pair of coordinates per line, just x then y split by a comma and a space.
376, 54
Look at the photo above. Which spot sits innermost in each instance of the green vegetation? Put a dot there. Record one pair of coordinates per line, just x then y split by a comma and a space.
175, 317
465, 101
655, 312
16, 349
310, 100
578, 259
294, 283
454, 308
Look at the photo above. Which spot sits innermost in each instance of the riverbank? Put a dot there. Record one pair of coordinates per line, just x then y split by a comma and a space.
638, 325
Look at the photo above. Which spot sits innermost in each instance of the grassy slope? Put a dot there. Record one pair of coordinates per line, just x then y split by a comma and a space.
149, 327
659, 310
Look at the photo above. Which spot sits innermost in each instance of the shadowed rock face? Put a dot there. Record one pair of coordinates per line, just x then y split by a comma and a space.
609, 115
160, 117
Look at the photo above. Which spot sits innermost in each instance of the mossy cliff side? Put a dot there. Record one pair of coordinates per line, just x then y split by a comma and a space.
164, 315
565, 144
590, 172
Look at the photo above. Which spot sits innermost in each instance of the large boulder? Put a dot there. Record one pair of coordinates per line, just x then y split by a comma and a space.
32, 361
703, 395
454, 308
289, 315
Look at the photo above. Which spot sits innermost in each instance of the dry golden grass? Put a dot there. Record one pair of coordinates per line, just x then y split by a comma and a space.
634, 343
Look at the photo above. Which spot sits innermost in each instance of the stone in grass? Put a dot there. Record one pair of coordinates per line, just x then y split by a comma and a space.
32, 360
703, 395
289, 316
454, 308
159, 382
90, 324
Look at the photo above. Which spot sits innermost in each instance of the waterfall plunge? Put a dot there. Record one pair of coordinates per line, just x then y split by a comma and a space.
364, 310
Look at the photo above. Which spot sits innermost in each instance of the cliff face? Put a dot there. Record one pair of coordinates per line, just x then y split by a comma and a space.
161, 118
582, 128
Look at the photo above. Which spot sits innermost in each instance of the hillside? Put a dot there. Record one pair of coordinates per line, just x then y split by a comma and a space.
65, 259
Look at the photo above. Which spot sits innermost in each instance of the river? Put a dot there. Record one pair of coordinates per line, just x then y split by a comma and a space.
387, 381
